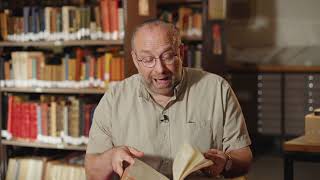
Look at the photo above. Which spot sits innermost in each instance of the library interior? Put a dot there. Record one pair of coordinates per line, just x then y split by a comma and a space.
79, 59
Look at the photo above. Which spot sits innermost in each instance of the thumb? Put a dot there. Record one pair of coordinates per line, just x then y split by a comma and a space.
135, 152
118, 169
213, 151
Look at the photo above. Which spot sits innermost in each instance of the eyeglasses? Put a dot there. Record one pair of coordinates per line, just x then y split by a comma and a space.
150, 61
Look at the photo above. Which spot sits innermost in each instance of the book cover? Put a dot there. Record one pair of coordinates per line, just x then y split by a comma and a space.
105, 17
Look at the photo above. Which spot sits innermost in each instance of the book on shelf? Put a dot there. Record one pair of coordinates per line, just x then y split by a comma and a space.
187, 19
188, 160
218, 9
49, 119
38, 22
46, 168
193, 56
4, 24
110, 17
217, 39
25, 168
80, 68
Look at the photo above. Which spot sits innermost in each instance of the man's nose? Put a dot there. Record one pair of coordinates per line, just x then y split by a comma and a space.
159, 66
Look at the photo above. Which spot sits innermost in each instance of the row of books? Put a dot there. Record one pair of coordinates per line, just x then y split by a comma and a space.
51, 119
78, 69
193, 56
188, 20
44, 168
35, 23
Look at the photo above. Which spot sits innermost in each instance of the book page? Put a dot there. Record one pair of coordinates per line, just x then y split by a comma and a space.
196, 166
181, 161
188, 160
141, 171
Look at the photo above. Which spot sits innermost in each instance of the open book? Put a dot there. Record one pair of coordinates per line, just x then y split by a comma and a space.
187, 160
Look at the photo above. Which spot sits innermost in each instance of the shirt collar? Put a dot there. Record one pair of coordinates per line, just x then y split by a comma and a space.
178, 89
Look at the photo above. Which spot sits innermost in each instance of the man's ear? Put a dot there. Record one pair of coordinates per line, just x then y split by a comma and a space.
134, 59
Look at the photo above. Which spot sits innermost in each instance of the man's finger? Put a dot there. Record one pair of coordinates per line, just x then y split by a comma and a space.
135, 152
210, 155
213, 151
118, 169
213, 157
128, 158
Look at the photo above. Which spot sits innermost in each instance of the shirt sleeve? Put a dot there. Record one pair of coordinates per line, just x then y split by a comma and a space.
100, 136
235, 133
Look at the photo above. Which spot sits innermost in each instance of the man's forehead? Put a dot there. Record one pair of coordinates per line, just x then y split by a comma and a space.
150, 36
152, 32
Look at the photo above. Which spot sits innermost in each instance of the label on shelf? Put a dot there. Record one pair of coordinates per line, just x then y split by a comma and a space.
38, 89
57, 43
60, 146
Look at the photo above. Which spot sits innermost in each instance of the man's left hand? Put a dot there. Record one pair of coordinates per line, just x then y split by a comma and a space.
219, 160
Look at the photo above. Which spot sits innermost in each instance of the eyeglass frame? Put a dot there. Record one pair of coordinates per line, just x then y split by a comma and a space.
173, 59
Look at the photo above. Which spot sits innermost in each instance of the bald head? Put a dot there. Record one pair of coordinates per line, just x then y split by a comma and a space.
171, 31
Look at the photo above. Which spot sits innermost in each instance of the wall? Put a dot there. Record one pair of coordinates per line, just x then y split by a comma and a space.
278, 23
278, 32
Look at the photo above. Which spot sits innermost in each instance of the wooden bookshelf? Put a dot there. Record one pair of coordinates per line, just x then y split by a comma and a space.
237, 67
43, 145
191, 26
160, 2
62, 43
191, 38
131, 18
55, 90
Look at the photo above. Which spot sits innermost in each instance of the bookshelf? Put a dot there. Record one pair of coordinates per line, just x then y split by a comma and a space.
131, 17
43, 145
118, 46
188, 16
178, 1
54, 90
62, 43
191, 39
200, 33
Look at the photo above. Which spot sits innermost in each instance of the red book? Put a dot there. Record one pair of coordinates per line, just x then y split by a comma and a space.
116, 69
92, 68
33, 121
122, 68
25, 121
98, 69
10, 114
104, 9
17, 125
79, 56
112, 69
114, 25
102, 67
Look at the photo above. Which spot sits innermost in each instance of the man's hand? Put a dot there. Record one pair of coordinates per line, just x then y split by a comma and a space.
123, 153
219, 160
241, 161
101, 166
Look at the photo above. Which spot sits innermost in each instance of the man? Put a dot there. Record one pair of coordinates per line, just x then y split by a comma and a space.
151, 114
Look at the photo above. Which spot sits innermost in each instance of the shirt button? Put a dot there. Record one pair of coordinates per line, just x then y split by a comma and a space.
165, 162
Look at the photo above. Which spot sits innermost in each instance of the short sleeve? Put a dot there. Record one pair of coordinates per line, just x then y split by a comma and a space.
100, 136
235, 133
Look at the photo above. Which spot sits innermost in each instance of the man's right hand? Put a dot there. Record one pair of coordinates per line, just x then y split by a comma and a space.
123, 153
101, 166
